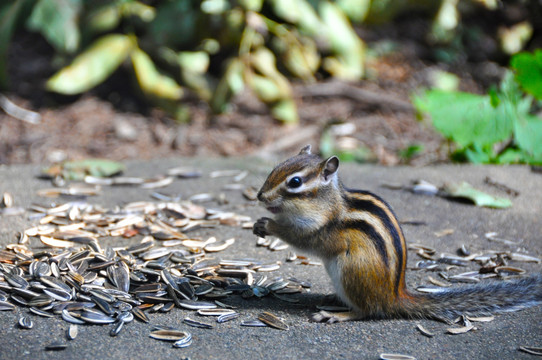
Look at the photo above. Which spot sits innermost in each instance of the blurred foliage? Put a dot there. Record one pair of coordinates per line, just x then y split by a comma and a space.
495, 128
213, 47
410, 152
216, 48
77, 170
528, 68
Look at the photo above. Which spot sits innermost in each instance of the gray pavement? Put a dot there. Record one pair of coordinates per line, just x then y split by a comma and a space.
498, 339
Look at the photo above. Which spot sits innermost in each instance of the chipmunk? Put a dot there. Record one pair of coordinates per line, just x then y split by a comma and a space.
360, 241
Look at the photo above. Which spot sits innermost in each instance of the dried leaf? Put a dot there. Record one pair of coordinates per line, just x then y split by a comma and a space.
464, 190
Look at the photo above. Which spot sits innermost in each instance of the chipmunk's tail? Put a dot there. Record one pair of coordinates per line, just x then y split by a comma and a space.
475, 300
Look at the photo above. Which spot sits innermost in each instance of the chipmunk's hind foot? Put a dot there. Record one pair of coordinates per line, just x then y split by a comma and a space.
330, 318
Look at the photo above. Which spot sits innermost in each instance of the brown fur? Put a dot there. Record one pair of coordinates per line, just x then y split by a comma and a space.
358, 232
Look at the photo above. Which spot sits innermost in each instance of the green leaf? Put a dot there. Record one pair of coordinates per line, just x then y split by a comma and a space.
151, 81
494, 97
511, 156
93, 66
356, 10
265, 88
300, 13
136, 8
476, 155
77, 170
528, 135
194, 61
528, 68
263, 61
104, 18
214, 7
57, 20
467, 118
108, 16
511, 92
411, 151
464, 190
194, 65
271, 87
344, 43
253, 5
231, 83
298, 54
285, 111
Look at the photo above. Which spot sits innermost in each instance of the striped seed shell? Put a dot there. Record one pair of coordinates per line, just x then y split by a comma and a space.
96, 317
197, 305
169, 334
140, 314
227, 317
273, 321
117, 327
531, 350
396, 357
214, 312
69, 317
25, 322
40, 312
184, 342
125, 316
56, 346
198, 324
253, 323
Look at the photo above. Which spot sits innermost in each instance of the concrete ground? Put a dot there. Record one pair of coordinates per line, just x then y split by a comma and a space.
498, 339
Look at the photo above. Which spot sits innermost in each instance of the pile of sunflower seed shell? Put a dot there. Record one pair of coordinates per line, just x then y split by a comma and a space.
74, 277
492, 264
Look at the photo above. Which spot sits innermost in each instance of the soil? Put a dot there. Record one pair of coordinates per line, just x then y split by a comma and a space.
115, 122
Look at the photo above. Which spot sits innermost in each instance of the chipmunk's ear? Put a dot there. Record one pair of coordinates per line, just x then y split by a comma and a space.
330, 168
306, 150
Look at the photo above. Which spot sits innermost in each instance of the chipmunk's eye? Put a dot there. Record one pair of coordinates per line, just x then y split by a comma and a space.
295, 182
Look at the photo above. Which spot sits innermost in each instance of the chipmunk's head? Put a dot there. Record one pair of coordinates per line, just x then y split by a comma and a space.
292, 184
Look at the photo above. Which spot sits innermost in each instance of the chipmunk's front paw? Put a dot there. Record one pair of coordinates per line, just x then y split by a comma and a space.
261, 227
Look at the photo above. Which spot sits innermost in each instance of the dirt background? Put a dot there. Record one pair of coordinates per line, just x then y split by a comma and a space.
116, 122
